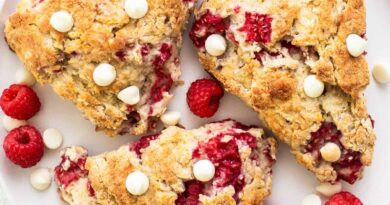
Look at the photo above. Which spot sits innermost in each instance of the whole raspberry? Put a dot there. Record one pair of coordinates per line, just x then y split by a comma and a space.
20, 102
344, 198
203, 97
24, 146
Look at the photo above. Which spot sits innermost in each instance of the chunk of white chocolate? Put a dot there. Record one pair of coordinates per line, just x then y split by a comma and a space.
136, 9
137, 183
328, 190
129, 95
40, 179
215, 45
356, 45
381, 73
62, 21
203, 170
311, 199
330, 152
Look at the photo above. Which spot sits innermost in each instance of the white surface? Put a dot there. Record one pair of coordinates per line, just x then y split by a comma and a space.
291, 181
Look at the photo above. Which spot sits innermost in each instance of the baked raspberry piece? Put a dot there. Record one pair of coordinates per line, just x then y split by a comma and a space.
142, 143
344, 198
24, 146
20, 102
205, 26
257, 27
203, 97
243, 170
349, 166
191, 196
280, 50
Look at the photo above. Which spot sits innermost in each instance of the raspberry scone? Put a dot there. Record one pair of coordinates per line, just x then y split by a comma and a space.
116, 60
219, 163
290, 62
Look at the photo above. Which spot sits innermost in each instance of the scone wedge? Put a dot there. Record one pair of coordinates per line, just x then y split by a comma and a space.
144, 53
241, 155
272, 48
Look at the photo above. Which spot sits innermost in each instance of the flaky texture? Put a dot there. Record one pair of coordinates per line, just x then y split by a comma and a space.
266, 63
144, 52
167, 161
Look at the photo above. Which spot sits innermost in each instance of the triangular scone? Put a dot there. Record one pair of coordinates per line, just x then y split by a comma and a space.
241, 155
272, 47
144, 53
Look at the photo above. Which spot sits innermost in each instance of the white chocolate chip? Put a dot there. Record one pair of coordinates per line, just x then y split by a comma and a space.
40, 179
129, 95
52, 138
104, 74
215, 45
10, 123
137, 183
381, 73
330, 152
203, 170
356, 45
328, 189
170, 118
313, 87
62, 21
23, 76
311, 199
136, 9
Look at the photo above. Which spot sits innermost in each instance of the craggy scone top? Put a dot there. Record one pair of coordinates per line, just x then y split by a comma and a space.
144, 52
272, 46
242, 157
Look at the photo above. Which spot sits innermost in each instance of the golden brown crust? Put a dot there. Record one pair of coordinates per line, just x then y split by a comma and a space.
308, 37
102, 33
168, 162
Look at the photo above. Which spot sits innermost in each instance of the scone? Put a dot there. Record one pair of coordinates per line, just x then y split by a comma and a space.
117, 69
289, 61
160, 169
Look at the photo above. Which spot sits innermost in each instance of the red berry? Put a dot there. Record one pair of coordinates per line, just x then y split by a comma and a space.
258, 27
203, 97
20, 102
344, 198
24, 146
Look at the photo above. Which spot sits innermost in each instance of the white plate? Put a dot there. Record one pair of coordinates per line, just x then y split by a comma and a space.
291, 181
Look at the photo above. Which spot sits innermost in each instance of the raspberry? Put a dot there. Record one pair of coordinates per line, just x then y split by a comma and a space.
258, 27
191, 194
203, 97
349, 166
20, 102
206, 25
24, 146
344, 198
143, 143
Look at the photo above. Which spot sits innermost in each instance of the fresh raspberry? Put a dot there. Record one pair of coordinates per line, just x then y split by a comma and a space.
344, 198
203, 97
24, 146
20, 102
